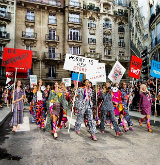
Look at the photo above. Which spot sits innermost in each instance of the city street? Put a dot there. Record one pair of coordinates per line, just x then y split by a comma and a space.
32, 146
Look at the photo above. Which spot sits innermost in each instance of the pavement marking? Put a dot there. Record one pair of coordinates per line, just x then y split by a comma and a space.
73, 121
25, 126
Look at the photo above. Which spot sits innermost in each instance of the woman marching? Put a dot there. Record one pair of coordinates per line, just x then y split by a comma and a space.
39, 99
55, 102
18, 106
118, 107
84, 104
107, 106
145, 104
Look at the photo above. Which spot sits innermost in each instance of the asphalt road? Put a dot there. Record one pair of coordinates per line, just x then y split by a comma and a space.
32, 146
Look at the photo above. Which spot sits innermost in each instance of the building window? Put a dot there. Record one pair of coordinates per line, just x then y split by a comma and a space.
52, 2
74, 50
75, 18
3, 11
153, 38
121, 53
52, 71
52, 34
91, 24
107, 24
158, 33
29, 47
30, 15
107, 51
74, 3
74, 35
152, 10
52, 19
1, 50
2, 71
107, 39
121, 2
52, 52
92, 50
91, 40
29, 32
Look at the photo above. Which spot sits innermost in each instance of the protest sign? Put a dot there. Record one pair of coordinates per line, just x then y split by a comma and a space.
33, 80
135, 67
17, 58
155, 69
75, 77
79, 64
10, 73
67, 81
98, 74
117, 72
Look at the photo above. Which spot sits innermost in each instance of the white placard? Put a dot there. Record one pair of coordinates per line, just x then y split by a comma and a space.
33, 80
117, 72
98, 74
67, 81
79, 64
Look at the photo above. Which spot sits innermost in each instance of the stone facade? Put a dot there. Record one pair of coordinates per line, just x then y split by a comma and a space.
7, 30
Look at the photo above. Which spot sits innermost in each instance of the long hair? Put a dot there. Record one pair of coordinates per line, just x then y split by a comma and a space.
141, 88
54, 85
21, 84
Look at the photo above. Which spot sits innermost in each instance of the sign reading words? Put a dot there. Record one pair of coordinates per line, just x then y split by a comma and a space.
17, 58
67, 81
33, 80
117, 72
79, 64
155, 69
135, 67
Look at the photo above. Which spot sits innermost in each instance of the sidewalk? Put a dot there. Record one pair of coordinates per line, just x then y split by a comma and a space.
4, 113
138, 115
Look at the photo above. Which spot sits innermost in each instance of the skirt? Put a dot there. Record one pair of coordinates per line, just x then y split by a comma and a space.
55, 109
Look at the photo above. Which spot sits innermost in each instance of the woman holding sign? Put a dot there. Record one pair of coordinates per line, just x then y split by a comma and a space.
18, 106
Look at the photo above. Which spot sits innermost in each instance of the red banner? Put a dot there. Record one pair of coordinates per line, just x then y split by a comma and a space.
21, 73
17, 58
135, 67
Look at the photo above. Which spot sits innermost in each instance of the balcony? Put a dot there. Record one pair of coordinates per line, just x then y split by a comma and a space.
91, 25
53, 3
92, 55
124, 58
91, 41
74, 38
51, 75
52, 56
4, 36
29, 19
121, 30
120, 12
91, 7
107, 41
29, 35
5, 16
52, 38
74, 20
108, 58
74, 4
121, 44
107, 26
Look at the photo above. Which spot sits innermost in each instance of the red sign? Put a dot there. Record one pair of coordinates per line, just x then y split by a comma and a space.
135, 67
21, 73
17, 58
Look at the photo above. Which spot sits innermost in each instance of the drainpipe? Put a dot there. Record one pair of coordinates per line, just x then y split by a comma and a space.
41, 52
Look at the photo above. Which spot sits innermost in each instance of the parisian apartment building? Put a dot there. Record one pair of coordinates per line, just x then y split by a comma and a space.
97, 29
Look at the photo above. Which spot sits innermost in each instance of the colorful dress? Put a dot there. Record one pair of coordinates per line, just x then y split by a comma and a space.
18, 108
56, 103
116, 97
145, 103
39, 99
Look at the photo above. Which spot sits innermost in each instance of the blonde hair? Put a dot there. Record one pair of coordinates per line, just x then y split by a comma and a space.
142, 87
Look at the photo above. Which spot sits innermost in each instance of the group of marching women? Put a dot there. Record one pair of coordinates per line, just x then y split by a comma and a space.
108, 104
